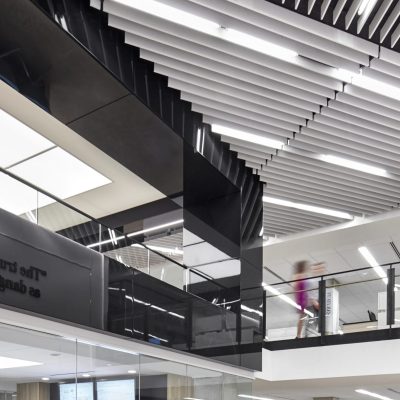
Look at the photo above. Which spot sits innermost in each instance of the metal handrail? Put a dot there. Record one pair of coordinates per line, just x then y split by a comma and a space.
331, 274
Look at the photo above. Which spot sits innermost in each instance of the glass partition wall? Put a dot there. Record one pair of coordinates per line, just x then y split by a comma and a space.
38, 366
361, 300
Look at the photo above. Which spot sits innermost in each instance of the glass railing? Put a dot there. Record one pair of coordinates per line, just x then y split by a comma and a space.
42, 208
360, 300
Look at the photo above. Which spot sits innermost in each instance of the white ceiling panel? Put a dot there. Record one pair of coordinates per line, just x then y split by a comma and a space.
59, 173
18, 141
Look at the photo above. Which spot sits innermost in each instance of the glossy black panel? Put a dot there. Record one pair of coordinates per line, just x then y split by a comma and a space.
145, 308
52, 62
130, 133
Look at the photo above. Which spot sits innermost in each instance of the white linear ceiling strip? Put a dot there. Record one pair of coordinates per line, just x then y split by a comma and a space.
273, 131
390, 56
304, 195
352, 13
238, 124
363, 18
271, 214
306, 24
281, 119
385, 67
372, 97
365, 115
362, 156
229, 93
199, 76
310, 6
256, 153
345, 185
248, 81
395, 36
339, 193
334, 197
252, 164
256, 160
389, 22
362, 182
324, 8
366, 105
345, 58
244, 146
296, 4
292, 185
302, 215
373, 26
319, 42
376, 126
317, 131
338, 10
242, 69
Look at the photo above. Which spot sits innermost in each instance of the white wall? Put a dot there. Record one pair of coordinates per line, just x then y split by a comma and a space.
359, 359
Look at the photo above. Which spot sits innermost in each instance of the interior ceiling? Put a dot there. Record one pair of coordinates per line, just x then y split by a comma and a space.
306, 101
119, 189
340, 388
380, 26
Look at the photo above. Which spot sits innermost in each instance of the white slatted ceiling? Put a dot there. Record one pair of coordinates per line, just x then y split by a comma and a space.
382, 22
301, 101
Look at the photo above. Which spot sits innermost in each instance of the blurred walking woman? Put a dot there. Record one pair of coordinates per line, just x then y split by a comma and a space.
302, 271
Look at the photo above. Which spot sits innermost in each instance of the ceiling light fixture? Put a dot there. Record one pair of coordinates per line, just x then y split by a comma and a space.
166, 250
306, 207
45, 379
86, 375
285, 298
176, 315
7, 362
366, 7
247, 396
373, 263
131, 371
211, 28
246, 136
343, 162
19, 141
137, 233
191, 398
372, 394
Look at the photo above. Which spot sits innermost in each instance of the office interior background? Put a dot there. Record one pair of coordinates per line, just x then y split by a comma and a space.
199, 199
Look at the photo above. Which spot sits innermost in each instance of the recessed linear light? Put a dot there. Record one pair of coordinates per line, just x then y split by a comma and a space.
306, 207
166, 250
366, 7
45, 379
86, 375
211, 28
373, 263
131, 371
191, 398
7, 362
343, 162
137, 233
246, 136
247, 396
372, 394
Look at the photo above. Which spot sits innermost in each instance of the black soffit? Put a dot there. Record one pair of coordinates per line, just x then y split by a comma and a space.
381, 27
